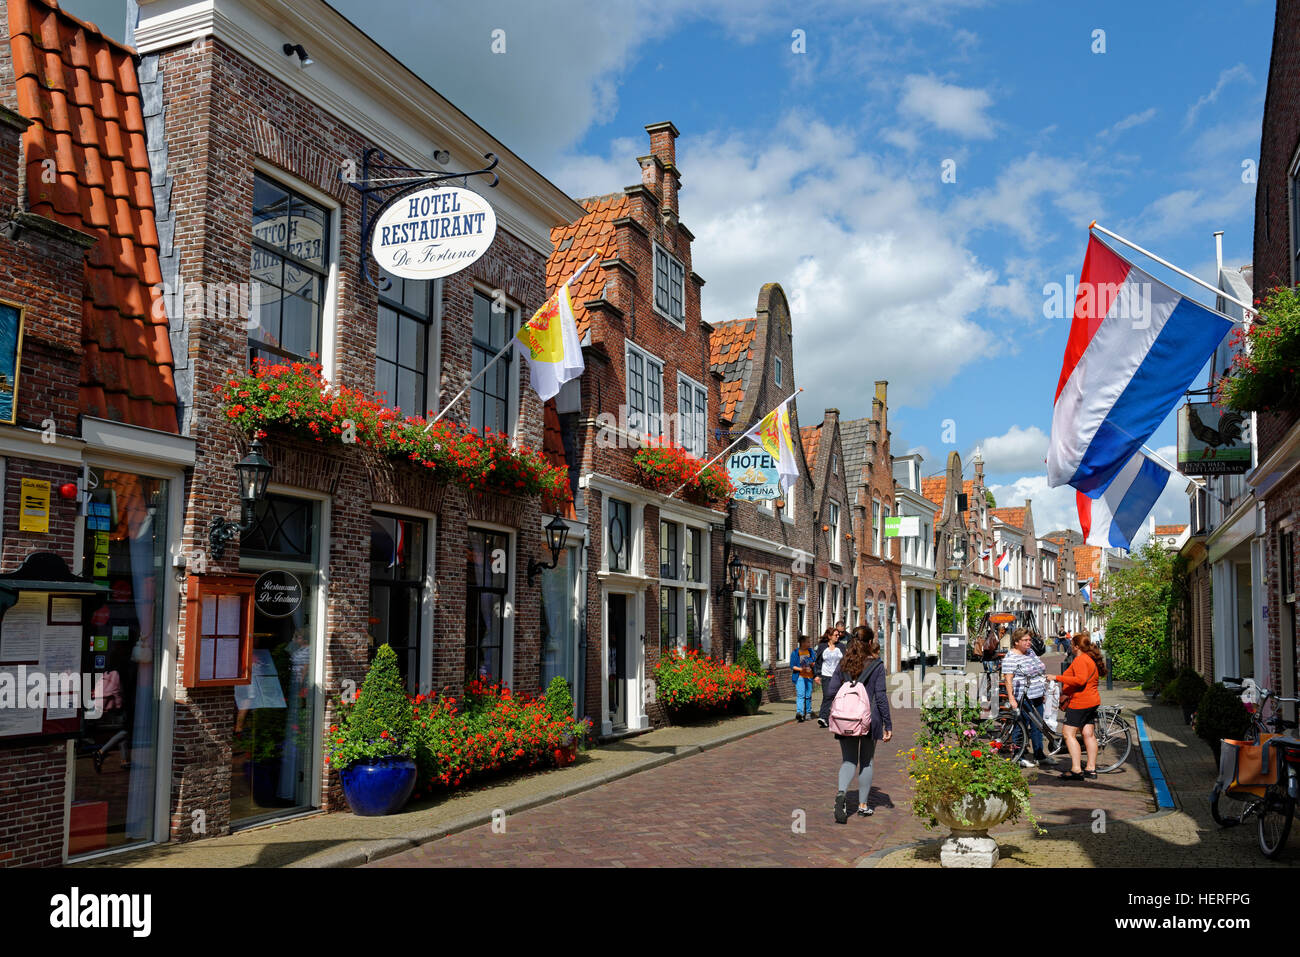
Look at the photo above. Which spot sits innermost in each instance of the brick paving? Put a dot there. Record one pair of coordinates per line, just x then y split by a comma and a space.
737, 806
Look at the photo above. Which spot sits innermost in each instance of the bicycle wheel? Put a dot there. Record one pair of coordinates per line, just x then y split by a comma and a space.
1011, 738
1113, 744
1275, 815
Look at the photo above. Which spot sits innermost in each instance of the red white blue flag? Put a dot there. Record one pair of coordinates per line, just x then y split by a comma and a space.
1115, 514
1135, 346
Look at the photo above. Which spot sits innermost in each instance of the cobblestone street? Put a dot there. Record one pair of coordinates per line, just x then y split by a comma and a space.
738, 805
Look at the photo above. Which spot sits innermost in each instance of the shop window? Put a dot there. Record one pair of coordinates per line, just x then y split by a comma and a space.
397, 573
781, 599
669, 564
619, 536
126, 544
402, 337
644, 392
694, 555
290, 268
670, 286
669, 627
695, 601
487, 584
803, 618
560, 622
490, 406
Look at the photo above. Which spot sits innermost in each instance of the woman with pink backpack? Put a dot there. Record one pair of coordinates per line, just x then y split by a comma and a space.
859, 718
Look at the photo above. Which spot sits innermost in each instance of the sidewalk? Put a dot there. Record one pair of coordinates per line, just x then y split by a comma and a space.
342, 839
1185, 836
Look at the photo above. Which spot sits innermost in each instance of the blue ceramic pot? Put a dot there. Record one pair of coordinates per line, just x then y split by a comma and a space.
373, 790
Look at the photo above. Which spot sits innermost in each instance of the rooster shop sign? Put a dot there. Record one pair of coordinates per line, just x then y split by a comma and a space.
1212, 441
433, 233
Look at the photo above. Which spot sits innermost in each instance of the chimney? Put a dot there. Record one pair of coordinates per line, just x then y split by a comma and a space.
663, 147
11, 130
880, 409
979, 469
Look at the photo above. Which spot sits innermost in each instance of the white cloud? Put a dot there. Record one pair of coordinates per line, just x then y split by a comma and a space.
953, 109
1054, 508
1021, 196
1130, 121
904, 139
1016, 450
1238, 72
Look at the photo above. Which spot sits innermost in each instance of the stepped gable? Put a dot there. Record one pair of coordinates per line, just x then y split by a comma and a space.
575, 243
731, 353
88, 169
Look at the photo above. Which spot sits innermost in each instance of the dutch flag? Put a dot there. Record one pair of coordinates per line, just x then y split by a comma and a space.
1114, 515
1085, 590
1004, 560
1135, 345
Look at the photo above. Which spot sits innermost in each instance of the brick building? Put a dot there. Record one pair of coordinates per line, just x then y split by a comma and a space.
1067, 579
648, 375
834, 548
870, 472
1275, 481
774, 540
216, 162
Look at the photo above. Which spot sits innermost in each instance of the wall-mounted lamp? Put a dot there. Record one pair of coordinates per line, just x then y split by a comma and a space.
557, 533
735, 569
254, 474
304, 60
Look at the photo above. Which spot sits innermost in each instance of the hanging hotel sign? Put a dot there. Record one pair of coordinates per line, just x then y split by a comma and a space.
754, 474
433, 233
1211, 441
277, 594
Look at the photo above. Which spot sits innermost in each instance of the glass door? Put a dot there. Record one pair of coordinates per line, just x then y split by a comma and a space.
616, 636
275, 720
560, 621
114, 772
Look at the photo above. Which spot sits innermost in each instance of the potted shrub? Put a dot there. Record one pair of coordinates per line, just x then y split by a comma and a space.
1220, 714
969, 788
1186, 691
559, 705
755, 677
371, 746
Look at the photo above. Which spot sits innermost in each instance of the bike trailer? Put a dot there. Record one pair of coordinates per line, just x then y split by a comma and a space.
1241, 767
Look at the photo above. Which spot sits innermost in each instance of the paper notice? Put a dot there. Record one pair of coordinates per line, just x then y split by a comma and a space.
62, 664
65, 611
17, 720
207, 657
209, 615
227, 665
20, 633
228, 615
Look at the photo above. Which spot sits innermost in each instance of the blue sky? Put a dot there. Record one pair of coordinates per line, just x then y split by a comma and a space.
822, 170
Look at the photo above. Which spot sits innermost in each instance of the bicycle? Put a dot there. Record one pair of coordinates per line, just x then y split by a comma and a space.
1231, 805
1114, 736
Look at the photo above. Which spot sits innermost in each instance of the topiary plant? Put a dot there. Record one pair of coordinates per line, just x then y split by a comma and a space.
1220, 714
747, 657
1186, 690
559, 702
1160, 674
380, 724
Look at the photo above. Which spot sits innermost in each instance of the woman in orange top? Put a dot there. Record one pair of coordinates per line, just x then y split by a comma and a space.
1080, 682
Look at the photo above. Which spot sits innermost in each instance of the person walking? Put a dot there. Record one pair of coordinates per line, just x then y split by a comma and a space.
801, 671
1080, 682
1025, 678
829, 653
861, 665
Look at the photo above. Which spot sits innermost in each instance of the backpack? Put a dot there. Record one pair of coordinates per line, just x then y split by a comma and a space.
1038, 645
851, 709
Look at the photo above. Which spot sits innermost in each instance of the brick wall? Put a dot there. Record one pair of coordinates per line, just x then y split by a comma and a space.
32, 784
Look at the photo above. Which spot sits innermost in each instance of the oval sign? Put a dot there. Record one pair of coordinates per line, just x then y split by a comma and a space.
277, 594
433, 233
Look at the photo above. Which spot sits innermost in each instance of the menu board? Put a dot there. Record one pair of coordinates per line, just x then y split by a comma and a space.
42, 686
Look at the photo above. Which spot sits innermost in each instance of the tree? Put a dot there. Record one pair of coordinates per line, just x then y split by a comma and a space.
947, 616
977, 603
988, 497
1136, 604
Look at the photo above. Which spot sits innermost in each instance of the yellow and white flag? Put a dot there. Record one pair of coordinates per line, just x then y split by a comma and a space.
550, 341
773, 433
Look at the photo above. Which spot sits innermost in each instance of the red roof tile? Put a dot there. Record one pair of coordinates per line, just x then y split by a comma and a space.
81, 92
730, 352
1011, 516
812, 437
1087, 558
553, 449
575, 243
935, 489
1170, 529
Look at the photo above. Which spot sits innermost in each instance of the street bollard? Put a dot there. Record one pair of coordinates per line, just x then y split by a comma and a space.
1110, 675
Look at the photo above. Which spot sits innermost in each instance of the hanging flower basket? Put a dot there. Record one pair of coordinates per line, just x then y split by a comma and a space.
294, 398
665, 467
1265, 372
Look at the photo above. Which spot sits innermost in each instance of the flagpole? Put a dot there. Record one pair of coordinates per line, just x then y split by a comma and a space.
735, 443
1186, 275
509, 343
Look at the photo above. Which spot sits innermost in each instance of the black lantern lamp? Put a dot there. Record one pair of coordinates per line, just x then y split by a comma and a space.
254, 473
735, 569
557, 533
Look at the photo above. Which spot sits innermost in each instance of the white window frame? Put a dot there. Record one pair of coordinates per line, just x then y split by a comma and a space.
495, 295
669, 261
877, 526
680, 581
644, 422
776, 370
833, 520
781, 587
699, 429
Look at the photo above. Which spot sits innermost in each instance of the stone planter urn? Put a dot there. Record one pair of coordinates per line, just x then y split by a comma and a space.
969, 845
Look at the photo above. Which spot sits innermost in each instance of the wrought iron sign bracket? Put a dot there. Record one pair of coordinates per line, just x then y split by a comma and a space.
382, 182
